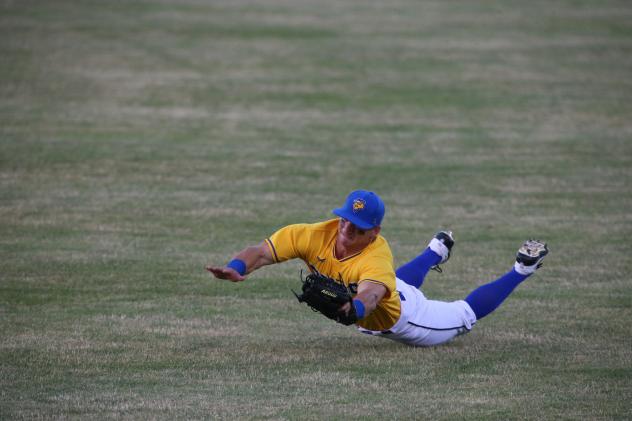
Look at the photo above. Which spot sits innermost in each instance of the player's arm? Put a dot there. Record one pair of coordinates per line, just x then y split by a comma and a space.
246, 261
369, 294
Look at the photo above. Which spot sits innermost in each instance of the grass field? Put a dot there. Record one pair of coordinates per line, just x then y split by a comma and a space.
143, 139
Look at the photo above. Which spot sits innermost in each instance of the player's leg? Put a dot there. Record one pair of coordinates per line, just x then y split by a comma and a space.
486, 298
437, 252
426, 322
441, 322
429, 323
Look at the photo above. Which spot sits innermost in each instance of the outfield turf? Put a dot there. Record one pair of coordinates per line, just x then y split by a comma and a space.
143, 139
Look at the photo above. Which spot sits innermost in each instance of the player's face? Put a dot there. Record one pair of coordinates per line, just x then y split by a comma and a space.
350, 236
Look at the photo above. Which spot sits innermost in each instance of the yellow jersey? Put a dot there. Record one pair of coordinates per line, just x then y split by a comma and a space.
315, 244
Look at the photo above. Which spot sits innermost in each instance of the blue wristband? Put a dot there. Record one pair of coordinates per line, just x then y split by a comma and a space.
359, 308
237, 264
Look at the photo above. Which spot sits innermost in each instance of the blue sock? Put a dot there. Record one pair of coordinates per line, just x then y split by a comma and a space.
414, 272
488, 297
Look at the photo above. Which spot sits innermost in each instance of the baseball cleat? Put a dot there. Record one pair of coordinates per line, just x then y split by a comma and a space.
442, 244
530, 255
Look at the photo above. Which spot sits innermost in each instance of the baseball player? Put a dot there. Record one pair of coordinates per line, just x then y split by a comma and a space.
386, 302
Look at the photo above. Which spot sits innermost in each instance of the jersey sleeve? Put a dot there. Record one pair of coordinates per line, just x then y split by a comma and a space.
289, 242
384, 277
380, 270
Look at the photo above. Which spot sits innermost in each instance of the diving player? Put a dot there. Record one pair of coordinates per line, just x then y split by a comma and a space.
388, 303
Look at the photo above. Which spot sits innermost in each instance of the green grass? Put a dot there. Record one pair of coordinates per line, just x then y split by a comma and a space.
141, 140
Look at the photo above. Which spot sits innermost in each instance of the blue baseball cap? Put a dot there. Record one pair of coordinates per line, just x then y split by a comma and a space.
363, 208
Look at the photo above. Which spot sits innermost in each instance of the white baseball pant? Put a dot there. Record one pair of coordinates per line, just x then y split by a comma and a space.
425, 322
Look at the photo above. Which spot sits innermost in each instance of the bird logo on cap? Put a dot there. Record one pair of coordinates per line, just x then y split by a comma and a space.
358, 205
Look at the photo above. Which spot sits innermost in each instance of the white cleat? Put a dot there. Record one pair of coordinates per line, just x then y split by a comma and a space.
529, 257
442, 244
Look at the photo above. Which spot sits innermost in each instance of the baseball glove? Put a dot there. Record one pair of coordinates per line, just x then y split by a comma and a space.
326, 295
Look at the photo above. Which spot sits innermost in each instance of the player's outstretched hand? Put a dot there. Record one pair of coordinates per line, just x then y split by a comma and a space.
225, 273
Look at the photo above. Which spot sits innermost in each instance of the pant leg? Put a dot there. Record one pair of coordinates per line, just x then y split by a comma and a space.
426, 322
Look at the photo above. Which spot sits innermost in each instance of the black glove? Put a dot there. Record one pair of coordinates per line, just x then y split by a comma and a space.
326, 295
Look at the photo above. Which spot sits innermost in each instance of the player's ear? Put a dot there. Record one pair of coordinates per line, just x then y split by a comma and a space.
376, 230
